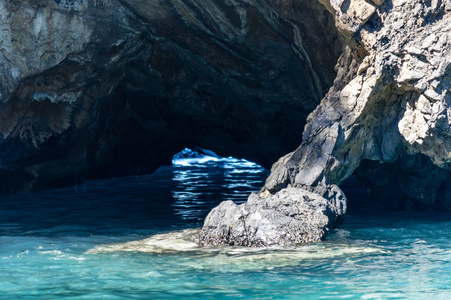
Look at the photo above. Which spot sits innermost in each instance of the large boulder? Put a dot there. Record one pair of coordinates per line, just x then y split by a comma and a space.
291, 216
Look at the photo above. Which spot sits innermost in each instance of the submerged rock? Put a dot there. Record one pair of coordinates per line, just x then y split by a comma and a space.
180, 248
175, 241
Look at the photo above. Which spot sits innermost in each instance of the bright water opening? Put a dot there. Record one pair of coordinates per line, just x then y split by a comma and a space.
133, 238
198, 174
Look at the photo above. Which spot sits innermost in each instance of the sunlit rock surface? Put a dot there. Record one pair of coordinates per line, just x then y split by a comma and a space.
100, 88
291, 216
389, 104
387, 111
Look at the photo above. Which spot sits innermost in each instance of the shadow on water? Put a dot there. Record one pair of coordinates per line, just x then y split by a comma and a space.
359, 200
135, 237
174, 196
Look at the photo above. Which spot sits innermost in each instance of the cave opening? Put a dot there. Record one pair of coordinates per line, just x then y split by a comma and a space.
202, 180
129, 83
410, 186
176, 195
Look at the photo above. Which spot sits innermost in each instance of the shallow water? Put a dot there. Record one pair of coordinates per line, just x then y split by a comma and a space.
133, 238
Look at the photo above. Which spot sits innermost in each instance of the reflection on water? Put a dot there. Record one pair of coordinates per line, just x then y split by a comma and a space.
174, 196
135, 238
197, 181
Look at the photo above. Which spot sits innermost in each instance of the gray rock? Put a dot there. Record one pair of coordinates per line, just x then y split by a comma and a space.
292, 216
128, 83
388, 101
387, 114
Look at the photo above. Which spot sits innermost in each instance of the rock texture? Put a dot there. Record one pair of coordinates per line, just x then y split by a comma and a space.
100, 88
387, 113
291, 216
388, 103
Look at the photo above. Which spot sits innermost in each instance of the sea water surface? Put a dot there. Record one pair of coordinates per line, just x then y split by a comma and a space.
133, 238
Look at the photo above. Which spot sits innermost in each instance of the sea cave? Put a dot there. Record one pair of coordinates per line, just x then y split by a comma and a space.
225, 149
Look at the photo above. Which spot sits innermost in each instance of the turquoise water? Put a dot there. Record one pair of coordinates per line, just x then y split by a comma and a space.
132, 238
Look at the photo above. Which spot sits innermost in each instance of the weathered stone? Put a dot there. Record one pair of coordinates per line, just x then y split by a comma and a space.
350, 15
378, 2
389, 106
415, 120
292, 216
361, 10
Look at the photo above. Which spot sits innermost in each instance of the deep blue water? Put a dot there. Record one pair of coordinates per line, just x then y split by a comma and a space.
71, 243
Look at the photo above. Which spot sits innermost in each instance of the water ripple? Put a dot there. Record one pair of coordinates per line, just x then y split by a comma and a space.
134, 238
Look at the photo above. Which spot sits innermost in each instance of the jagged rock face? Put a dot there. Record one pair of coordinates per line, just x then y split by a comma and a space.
291, 216
96, 88
388, 108
388, 102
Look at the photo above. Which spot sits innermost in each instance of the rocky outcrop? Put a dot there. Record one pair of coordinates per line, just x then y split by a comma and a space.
291, 216
387, 112
388, 102
100, 88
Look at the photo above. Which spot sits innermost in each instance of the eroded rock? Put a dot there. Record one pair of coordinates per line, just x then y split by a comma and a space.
388, 105
101, 88
385, 101
291, 216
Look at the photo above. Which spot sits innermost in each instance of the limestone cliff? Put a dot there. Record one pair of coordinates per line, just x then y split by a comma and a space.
100, 88
387, 115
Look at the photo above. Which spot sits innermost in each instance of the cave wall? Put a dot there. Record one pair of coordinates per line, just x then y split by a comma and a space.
387, 116
389, 103
94, 89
